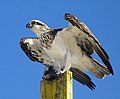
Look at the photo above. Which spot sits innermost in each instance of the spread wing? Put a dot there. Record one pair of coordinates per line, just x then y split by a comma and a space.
33, 49
87, 35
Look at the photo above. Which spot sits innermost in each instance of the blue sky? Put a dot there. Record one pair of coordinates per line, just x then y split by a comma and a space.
20, 77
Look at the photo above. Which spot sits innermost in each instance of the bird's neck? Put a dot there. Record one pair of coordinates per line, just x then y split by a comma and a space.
39, 31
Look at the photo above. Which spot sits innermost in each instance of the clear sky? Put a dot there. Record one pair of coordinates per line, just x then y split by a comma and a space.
20, 77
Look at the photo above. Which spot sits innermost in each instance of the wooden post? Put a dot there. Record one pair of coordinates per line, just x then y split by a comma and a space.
60, 88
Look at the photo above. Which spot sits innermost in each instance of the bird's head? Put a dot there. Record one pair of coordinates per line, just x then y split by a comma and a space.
38, 27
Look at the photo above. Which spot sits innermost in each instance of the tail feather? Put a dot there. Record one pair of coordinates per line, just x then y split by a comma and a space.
82, 78
98, 69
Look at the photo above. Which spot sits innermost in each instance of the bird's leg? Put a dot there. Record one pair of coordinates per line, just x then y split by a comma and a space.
50, 74
45, 70
45, 73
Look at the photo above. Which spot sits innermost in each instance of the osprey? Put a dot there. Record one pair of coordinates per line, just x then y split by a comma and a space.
67, 49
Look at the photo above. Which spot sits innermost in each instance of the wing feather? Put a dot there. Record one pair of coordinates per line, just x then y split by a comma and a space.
95, 44
33, 49
82, 78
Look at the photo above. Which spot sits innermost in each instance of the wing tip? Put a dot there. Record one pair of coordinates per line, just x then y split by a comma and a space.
84, 79
92, 87
108, 64
68, 16
110, 69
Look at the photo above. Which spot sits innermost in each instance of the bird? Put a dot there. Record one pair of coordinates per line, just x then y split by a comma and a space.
69, 48
33, 49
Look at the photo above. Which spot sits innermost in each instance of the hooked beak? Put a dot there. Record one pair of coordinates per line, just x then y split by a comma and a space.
29, 25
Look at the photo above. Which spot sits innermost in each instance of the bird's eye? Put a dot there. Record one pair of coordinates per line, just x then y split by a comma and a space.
37, 23
33, 22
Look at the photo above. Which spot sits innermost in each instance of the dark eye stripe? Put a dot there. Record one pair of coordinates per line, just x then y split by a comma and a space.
33, 22
36, 23
39, 24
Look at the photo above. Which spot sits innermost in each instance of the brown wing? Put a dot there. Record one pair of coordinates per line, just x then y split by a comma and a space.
33, 49
95, 44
